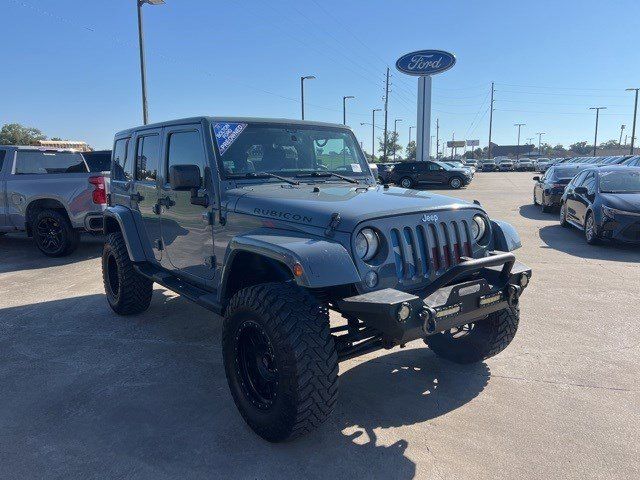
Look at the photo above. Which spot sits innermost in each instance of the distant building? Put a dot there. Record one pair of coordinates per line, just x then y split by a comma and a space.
512, 150
80, 146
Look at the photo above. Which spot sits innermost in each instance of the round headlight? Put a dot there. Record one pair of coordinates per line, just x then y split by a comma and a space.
367, 244
478, 227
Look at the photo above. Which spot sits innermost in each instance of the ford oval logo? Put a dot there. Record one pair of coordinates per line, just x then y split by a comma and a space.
425, 62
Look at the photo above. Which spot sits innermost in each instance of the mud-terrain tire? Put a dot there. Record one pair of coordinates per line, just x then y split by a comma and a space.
53, 234
128, 292
280, 360
483, 340
456, 183
406, 182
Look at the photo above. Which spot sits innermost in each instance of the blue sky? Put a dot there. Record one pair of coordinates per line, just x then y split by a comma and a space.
71, 67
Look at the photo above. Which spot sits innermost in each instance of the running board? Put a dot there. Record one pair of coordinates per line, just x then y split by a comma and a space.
202, 297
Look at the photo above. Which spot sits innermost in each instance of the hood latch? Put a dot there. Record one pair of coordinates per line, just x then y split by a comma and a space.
333, 224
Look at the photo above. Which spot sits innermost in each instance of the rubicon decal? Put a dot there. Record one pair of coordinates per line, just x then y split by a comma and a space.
263, 212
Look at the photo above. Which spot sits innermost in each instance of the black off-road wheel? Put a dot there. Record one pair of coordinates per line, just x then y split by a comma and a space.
477, 341
53, 233
280, 360
127, 291
406, 182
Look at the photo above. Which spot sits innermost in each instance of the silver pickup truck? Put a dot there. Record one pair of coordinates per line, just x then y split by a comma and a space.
52, 195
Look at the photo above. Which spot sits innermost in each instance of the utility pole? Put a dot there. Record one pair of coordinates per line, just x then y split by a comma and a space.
143, 73
635, 113
540, 142
490, 119
437, 138
344, 108
395, 134
302, 79
595, 138
519, 125
453, 139
410, 135
373, 133
431, 143
386, 114
622, 127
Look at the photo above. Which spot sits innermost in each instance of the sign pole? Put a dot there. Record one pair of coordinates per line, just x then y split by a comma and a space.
423, 130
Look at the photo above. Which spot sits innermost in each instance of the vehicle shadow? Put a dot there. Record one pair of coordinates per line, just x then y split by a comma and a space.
534, 212
571, 241
148, 394
19, 252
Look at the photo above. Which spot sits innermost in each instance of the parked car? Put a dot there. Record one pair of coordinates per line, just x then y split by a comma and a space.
459, 164
524, 165
471, 162
414, 174
50, 194
632, 161
542, 164
604, 202
287, 237
506, 165
384, 171
548, 189
489, 165
615, 160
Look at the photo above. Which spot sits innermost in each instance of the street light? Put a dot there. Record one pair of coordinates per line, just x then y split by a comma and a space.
395, 135
410, 135
635, 113
143, 75
595, 139
373, 133
540, 142
302, 79
519, 125
344, 108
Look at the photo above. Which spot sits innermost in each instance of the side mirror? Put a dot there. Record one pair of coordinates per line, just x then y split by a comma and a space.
537, 178
581, 190
184, 177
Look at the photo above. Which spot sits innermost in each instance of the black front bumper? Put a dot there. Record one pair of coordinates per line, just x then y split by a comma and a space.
486, 285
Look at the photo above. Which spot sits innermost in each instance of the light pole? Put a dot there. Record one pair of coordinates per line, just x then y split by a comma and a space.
540, 142
302, 79
595, 138
143, 74
410, 135
519, 125
431, 143
622, 127
344, 108
395, 136
373, 133
635, 113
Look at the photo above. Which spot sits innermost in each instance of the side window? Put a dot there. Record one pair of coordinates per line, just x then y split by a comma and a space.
122, 165
2, 155
590, 183
577, 180
185, 148
147, 158
434, 167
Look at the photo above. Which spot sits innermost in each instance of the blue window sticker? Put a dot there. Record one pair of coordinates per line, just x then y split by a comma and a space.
226, 134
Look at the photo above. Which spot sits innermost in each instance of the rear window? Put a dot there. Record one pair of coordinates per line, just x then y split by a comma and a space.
98, 161
41, 163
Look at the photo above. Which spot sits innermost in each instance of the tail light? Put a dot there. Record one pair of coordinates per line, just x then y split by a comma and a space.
99, 190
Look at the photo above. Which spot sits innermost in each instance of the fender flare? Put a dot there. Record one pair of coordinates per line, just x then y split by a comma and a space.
324, 263
126, 223
505, 237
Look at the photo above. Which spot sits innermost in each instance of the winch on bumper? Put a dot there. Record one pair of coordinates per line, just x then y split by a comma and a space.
489, 284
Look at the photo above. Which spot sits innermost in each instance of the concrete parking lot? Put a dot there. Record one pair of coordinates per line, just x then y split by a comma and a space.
88, 394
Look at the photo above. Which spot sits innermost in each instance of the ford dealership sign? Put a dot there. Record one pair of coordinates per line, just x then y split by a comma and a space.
425, 62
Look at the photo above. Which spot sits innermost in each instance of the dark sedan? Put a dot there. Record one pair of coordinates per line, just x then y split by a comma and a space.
412, 174
604, 202
548, 190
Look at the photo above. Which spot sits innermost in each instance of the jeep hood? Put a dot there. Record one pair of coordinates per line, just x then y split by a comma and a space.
315, 204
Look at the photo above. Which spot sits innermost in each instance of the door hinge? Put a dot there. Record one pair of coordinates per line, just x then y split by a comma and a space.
158, 244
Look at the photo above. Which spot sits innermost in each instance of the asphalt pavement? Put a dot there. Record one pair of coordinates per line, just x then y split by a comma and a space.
87, 394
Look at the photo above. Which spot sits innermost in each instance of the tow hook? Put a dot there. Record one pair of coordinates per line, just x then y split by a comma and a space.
428, 317
513, 294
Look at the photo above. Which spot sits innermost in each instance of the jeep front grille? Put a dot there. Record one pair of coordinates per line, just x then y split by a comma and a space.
428, 250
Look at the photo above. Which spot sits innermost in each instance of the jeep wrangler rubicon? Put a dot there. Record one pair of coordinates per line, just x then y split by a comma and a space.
275, 223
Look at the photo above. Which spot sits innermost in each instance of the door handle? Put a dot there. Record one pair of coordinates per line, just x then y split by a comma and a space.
136, 197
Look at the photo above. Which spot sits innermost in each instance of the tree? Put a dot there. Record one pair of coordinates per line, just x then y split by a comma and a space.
16, 134
411, 150
580, 148
609, 144
392, 145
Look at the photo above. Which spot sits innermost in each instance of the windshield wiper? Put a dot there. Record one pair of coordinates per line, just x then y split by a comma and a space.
328, 174
271, 175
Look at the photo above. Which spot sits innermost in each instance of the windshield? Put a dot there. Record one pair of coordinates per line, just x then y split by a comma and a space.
620, 182
446, 166
245, 149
